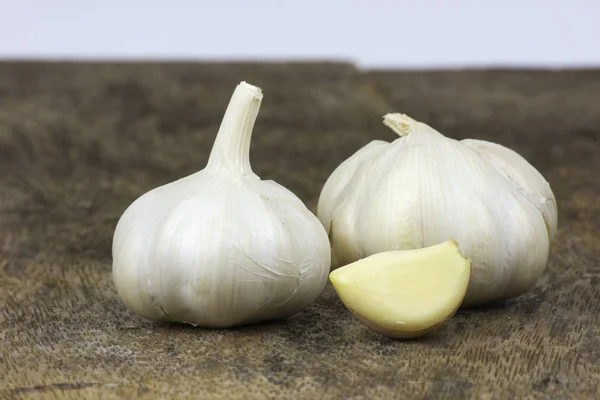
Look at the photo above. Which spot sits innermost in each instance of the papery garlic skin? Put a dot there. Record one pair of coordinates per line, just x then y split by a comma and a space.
221, 248
423, 189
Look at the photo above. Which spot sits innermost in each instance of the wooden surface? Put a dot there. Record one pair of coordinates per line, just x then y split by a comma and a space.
78, 143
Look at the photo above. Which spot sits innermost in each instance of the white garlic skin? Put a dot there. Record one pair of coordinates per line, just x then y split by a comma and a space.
221, 248
423, 189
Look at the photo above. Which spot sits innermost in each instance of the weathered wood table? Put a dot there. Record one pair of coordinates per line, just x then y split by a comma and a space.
79, 142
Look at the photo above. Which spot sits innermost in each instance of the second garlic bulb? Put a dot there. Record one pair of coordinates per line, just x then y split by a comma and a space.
424, 189
221, 247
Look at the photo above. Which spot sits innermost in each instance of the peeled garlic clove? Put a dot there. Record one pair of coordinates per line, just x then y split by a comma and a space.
221, 247
405, 294
425, 188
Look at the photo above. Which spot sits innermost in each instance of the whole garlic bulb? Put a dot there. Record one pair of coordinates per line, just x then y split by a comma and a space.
221, 247
423, 189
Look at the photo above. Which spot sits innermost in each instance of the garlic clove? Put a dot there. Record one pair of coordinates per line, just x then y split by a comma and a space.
333, 190
523, 176
405, 294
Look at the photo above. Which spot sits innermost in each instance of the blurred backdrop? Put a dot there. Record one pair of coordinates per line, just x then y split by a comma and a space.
376, 33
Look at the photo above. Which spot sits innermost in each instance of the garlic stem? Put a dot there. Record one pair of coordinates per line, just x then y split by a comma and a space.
231, 149
404, 125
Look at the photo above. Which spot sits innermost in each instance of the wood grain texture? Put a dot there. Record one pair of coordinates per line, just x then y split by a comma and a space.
79, 142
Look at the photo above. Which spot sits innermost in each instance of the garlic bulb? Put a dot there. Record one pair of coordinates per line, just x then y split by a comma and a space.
424, 189
221, 248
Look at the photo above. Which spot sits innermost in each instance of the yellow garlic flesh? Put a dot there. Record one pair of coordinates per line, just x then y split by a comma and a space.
405, 294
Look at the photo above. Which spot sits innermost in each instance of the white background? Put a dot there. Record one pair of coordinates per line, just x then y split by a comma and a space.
402, 34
